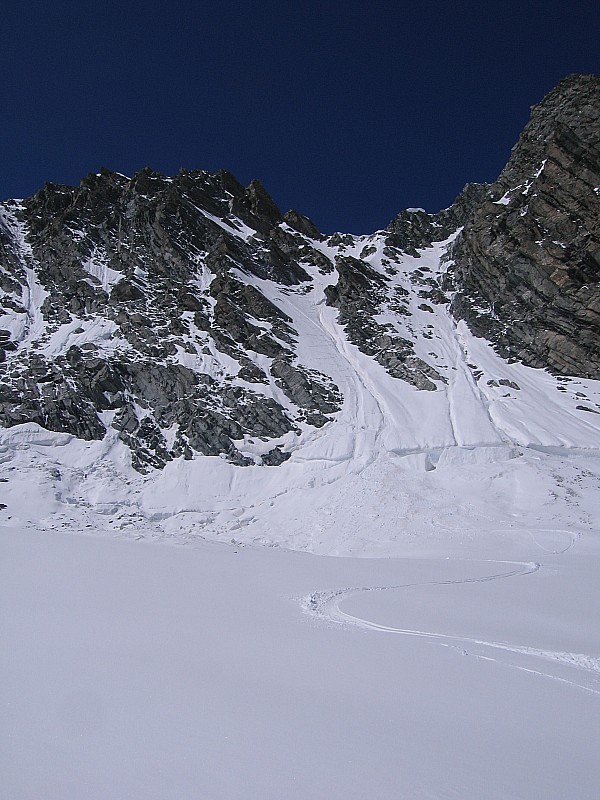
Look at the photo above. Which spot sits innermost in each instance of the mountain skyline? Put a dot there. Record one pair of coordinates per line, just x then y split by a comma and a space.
347, 117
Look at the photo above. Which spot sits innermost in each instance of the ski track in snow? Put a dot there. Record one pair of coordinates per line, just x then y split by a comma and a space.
419, 459
325, 607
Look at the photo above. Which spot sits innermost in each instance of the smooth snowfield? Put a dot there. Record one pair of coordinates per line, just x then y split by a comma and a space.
132, 670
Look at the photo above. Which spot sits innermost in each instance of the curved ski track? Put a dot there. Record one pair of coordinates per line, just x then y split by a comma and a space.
325, 606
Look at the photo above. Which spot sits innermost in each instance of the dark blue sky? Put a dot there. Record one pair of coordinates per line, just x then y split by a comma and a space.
347, 111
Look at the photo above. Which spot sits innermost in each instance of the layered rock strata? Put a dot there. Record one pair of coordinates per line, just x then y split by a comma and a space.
527, 264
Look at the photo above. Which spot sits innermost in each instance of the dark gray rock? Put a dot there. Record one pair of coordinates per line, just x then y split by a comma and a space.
414, 230
302, 224
306, 389
359, 294
527, 265
275, 457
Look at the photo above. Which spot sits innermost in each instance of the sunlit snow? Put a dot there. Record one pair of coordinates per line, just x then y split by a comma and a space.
187, 634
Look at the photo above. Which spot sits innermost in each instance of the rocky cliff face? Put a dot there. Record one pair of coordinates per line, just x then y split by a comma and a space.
527, 264
155, 307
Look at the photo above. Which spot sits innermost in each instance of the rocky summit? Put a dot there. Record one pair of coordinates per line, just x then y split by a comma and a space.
171, 313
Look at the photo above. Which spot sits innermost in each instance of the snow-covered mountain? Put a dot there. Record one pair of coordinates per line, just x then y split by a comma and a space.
182, 363
177, 351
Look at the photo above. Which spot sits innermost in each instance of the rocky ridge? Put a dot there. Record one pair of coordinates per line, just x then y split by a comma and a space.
527, 264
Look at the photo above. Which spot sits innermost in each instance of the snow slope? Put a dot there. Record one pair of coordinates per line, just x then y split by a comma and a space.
460, 660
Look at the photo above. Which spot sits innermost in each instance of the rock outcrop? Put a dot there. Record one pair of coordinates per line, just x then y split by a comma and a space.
527, 264
134, 304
